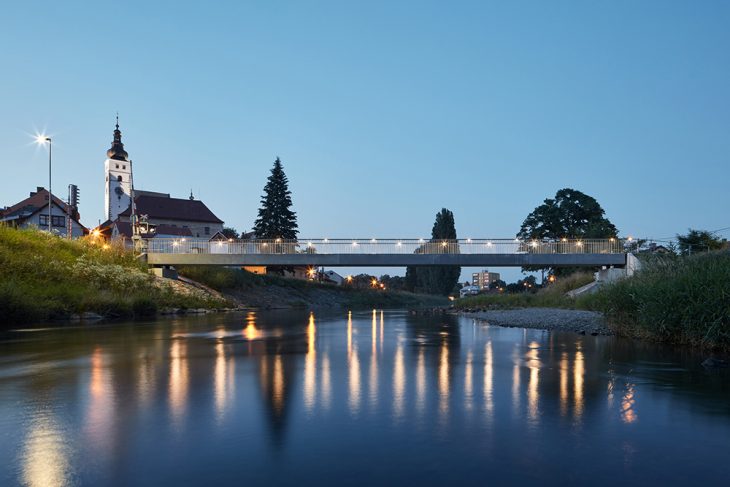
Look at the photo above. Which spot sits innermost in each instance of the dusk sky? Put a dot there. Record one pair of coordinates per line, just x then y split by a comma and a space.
382, 112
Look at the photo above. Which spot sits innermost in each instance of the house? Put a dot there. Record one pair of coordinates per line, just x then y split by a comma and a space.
33, 212
658, 249
469, 291
333, 277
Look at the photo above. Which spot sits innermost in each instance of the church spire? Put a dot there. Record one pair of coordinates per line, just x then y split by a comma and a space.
117, 150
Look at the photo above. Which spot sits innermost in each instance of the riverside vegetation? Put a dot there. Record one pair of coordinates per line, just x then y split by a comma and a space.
46, 277
676, 299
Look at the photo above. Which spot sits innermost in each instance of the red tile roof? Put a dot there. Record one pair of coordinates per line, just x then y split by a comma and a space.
173, 209
37, 200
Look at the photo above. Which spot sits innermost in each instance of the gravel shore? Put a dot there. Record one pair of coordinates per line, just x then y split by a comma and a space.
583, 322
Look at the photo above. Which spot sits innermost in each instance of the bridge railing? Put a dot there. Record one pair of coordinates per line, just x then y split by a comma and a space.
386, 246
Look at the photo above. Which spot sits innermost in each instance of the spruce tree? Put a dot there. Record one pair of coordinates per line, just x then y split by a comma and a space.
275, 218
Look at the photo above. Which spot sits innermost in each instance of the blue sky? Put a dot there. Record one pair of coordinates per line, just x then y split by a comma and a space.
382, 112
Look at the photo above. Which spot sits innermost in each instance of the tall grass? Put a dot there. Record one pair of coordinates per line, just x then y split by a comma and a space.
46, 277
684, 300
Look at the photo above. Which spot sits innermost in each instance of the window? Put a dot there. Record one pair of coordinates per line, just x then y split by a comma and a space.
56, 221
124, 167
117, 166
207, 230
119, 178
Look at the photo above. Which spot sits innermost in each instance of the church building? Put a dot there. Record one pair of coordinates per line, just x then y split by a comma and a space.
165, 216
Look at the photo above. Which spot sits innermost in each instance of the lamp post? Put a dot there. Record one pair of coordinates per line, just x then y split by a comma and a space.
42, 139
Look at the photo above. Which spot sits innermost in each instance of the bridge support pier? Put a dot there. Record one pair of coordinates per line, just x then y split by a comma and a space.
168, 272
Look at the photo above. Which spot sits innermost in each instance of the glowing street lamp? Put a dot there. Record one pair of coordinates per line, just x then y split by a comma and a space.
41, 140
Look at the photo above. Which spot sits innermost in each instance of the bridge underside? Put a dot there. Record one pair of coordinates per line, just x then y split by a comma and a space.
390, 260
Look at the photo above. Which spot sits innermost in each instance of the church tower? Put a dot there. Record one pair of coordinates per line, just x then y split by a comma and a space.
118, 171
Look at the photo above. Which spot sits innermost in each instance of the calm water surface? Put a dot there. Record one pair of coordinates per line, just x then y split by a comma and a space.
373, 398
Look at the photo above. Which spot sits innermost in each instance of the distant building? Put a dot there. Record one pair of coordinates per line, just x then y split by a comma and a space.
165, 216
469, 291
33, 212
333, 277
484, 279
658, 249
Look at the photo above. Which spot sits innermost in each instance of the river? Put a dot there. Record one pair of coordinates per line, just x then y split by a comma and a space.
362, 398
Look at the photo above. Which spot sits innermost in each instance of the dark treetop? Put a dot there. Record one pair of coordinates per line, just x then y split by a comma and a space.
571, 214
275, 218
436, 280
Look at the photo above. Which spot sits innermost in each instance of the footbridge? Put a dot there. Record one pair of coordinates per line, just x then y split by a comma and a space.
387, 252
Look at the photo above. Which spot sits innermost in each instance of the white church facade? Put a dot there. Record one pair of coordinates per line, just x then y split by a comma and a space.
118, 184
165, 215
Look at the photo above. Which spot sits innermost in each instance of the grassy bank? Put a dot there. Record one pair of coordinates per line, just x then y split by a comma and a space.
552, 296
46, 277
683, 300
273, 291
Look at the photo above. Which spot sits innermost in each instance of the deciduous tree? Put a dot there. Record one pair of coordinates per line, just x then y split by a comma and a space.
571, 214
698, 241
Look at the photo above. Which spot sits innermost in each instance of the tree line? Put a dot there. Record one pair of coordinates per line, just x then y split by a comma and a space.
569, 214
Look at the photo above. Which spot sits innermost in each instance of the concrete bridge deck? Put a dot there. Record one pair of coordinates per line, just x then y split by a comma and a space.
387, 252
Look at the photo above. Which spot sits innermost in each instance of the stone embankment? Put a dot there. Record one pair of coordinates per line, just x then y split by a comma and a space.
570, 320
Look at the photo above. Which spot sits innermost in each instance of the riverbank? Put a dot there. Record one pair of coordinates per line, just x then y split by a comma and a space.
274, 292
45, 277
554, 319
673, 299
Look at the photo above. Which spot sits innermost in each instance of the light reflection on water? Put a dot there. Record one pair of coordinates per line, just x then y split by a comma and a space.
419, 396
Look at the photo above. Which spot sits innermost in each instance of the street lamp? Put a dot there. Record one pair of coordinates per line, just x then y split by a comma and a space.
42, 139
